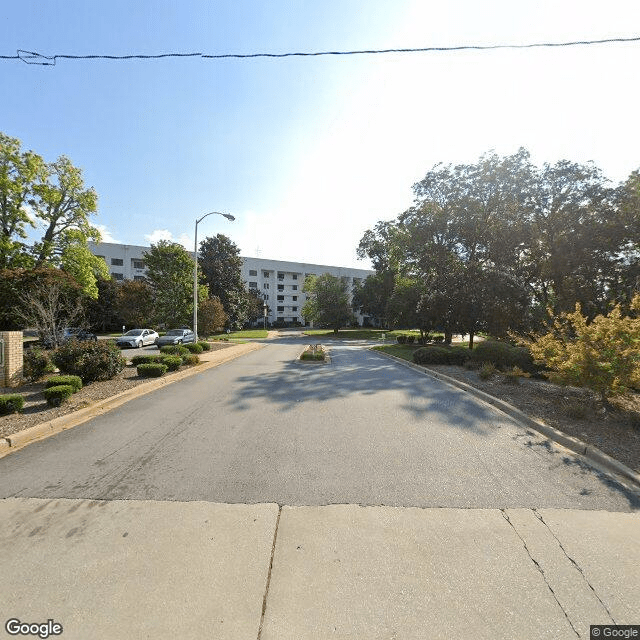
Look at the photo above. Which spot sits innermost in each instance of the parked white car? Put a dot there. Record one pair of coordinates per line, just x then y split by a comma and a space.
136, 338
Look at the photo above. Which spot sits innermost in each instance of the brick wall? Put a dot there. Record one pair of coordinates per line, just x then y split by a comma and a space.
11, 374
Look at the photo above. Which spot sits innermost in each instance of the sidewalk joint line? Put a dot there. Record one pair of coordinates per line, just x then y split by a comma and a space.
539, 568
266, 591
575, 564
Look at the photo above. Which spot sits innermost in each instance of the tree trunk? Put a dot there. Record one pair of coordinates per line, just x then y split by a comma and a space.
448, 336
471, 334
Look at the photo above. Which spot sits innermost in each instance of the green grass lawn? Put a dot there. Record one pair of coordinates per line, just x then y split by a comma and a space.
360, 334
405, 351
247, 333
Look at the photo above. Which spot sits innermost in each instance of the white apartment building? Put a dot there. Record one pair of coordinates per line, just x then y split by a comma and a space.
278, 281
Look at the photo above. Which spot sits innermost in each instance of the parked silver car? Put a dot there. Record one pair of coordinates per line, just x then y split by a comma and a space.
176, 336
137, 338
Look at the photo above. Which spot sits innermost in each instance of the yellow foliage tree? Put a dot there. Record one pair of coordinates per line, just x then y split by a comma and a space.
602, 355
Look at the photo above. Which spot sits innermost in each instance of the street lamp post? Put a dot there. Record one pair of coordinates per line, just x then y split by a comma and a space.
228, 216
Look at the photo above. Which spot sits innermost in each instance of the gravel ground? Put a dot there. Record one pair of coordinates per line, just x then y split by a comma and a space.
615, 430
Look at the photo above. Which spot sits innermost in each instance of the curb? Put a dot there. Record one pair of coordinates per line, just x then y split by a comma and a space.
597, 458
15, 441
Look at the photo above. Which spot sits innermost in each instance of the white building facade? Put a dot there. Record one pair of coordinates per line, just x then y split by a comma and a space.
279, 282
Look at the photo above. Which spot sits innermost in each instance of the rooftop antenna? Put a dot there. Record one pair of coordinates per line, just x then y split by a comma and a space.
258, 252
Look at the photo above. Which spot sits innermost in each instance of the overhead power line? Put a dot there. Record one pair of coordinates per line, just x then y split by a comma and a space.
33, 57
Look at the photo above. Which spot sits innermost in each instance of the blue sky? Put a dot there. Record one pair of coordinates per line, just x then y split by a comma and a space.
308, 153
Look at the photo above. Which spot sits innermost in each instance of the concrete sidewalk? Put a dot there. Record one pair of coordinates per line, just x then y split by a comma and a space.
142, 569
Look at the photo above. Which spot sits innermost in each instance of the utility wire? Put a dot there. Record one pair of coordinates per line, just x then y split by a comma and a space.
32, 57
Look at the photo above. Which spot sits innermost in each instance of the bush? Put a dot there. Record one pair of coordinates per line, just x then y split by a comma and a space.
36, 363
503, 356
72, 381
55, 396
171, 362
151, 370
190, 359
205, 345
401, 338
410, 339
440, 355
487, 370
174, 349
11, 403
194, 347
603, 355
144, 359
513, 375
100, 360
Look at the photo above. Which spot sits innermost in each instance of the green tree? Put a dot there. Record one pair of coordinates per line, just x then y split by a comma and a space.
255, 305
373, 294
79, 262
63, 205
327, 301
211, 317
23, 288
102, 312
221, 267
134, 303
170, 276
20, 173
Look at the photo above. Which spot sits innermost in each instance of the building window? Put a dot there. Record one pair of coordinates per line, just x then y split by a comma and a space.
295, 298
280, 319
139, 278
266, 285
280, 276
294, 287
280, 308
137, 264
253, 272
280, 287
117, 276
265, 274
281, 298
295, 276
253, 285
266, 297
294, 308
117, 262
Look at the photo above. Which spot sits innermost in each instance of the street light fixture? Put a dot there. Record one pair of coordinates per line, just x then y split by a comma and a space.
228, 216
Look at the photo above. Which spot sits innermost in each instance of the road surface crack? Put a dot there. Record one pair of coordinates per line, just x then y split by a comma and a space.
576, 565
266, 591
541, 570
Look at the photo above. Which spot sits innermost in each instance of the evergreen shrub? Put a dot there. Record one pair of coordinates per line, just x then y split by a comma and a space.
55, 396
56, 381
194, 347
100, 360
11, 403
36, 363
151, 370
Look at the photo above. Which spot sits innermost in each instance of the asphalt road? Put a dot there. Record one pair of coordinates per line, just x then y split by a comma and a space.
266, 428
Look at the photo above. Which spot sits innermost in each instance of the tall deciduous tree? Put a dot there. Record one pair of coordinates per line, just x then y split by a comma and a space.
170, 276
211, 317
221, 267
134, 303
327, 301
20, 173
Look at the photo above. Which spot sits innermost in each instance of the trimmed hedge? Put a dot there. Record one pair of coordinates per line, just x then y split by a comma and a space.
36, 363
55, 396
11, 403
205, 345
174, 349
440, 355
194, 347
56, 381
504, 356
191, 358
151, 370
144, 359
172, 363
99, 360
